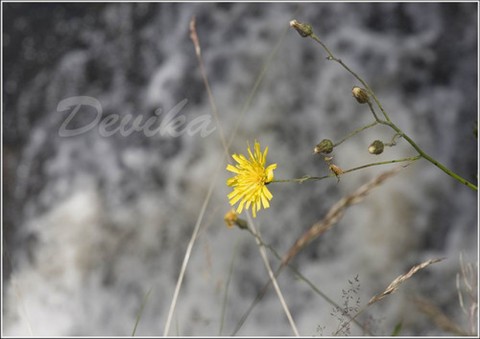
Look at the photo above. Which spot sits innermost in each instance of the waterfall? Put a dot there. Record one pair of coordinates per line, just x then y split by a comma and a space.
94, 221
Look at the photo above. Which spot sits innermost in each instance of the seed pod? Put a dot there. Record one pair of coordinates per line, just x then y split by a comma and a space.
376, 147
360, 94
324, 147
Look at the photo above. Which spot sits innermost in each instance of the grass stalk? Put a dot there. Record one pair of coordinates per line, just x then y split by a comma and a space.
140, 312
272, 275
227, 284
188, 252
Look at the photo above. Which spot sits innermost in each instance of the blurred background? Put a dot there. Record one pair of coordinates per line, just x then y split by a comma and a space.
92, 222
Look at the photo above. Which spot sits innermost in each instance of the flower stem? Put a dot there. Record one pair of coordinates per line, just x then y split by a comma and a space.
429, 158
332, 57
358, 130
411, 159
300, 180
388, 122
310, 178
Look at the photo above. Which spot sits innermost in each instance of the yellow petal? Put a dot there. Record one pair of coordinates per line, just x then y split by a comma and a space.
232, 181
265, 202
252, 158
267, 193
233, 169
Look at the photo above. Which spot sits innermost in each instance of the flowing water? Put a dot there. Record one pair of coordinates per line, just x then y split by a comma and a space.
94, 221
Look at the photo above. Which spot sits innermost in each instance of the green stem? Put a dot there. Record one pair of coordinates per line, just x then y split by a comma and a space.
358, 130
300, 180
382, 163
393, 142
373, 112
309, 178
429, 158
388, 122
332, 57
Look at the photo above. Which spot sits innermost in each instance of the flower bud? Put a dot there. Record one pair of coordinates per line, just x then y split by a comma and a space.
231, 219
376, 147
360, 94
325, 146
305, 30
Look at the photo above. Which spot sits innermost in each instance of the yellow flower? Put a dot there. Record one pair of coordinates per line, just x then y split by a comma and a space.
249, 184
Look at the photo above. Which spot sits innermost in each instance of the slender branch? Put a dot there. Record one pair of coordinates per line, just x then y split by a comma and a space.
383, 163
310, 178
393, 142
388, 121
300, 180
373, 111
429, 158
332, 57
358, 130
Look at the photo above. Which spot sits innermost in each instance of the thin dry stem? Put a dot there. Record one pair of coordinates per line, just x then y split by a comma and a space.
263, 253
198, 223
198, 53
190, 247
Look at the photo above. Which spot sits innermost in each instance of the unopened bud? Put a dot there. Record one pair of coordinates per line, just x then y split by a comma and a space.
360, 94
231, 219
376, 147
305, 30
325, 147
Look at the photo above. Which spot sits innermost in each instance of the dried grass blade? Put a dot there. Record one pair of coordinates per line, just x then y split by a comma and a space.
401, 278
